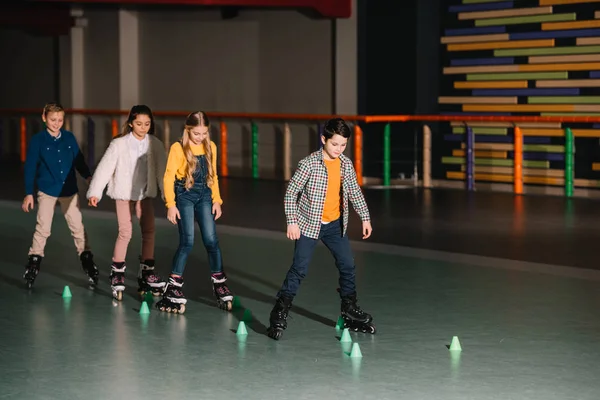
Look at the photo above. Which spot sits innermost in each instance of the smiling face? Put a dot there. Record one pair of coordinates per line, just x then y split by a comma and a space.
334, 147
54, 121
140, 126
198, 134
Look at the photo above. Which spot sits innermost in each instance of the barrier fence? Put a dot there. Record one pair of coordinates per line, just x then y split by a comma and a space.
469, 143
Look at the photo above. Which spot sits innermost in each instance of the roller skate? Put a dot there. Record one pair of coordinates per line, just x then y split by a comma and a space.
222, 292
32, 269
173, 298
278, 317
148, 281
89, 267
354, 318
117, 279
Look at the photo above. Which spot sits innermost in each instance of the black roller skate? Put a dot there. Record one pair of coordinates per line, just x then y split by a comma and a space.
354, 318
222, 292
173, 298
117, 279
32, 269
148, 281
278, 317
89, 267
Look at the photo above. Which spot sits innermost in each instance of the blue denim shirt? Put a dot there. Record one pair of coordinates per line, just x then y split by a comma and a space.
51, 163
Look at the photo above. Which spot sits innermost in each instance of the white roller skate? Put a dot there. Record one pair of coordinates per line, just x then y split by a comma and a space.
117, 280
173, 300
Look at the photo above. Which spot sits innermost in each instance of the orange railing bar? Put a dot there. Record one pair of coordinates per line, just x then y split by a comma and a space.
473, 118
358, 153
23, 138
223, 148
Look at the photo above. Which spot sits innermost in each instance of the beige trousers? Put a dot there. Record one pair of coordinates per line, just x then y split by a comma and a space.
144, 211
70, 208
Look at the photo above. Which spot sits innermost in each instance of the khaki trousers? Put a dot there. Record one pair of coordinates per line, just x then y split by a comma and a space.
70, 208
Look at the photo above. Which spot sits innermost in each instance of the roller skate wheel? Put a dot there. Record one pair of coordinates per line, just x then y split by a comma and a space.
274, 333
181, 309
118, 295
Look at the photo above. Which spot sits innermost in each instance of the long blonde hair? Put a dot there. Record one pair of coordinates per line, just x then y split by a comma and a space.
192, 121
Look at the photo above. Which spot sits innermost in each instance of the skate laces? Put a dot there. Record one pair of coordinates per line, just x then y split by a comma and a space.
222, 290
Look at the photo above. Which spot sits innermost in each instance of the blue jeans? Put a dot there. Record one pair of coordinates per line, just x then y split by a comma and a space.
196, 204
338, 245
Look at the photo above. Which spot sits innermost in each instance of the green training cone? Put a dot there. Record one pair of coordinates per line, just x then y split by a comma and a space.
346, 336
356, 353
340, 323
144, 308
241, 330
66, 292
455, 345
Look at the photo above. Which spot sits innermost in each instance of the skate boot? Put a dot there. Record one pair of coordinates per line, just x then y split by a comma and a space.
278, 317
222, 292
89, 267
173, 298
117, 279
32, 269
148, 281
355, 318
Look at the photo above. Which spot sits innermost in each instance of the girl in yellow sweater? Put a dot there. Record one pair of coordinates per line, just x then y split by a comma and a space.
192, 193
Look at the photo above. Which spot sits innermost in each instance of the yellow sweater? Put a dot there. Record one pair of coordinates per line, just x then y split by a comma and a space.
176, 166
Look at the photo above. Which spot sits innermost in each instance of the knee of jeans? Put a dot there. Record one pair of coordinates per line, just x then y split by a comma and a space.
211, 244
186, 243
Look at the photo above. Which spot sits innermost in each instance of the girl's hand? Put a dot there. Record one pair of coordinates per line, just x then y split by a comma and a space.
27, 203
173, 215
216, 210
93, 201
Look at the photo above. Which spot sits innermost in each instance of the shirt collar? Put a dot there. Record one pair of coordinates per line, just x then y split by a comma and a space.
53, 137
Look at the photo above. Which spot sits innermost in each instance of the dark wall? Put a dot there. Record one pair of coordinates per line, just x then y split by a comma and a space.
398, 53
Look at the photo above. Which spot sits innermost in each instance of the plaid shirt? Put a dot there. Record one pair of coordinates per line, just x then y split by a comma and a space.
310, 181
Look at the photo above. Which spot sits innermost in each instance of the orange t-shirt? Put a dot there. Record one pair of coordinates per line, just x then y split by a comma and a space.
331, 210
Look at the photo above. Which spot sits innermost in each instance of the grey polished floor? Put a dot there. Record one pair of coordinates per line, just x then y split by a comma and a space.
528, 331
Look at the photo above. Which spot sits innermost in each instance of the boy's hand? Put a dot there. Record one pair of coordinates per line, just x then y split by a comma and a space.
367, 230
293, 232
27, 203
216, 210
173, 215
93, 201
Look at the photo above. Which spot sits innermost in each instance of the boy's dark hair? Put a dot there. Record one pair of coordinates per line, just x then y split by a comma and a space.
336, 126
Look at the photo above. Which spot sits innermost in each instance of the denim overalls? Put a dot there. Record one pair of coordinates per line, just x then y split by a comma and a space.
196, 203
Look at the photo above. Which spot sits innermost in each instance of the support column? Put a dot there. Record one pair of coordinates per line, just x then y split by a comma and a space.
129, 64
346, 64
78, 72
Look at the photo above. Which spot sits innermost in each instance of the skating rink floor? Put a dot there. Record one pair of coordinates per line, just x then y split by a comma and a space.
528, 330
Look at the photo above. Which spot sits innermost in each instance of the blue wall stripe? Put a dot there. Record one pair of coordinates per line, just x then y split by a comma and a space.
481, 7
498, 139
527, 92
555, 34
595, 74
483, 61
475, 31
539, 156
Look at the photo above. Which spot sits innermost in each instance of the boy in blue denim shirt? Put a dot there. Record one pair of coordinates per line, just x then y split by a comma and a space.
53, 155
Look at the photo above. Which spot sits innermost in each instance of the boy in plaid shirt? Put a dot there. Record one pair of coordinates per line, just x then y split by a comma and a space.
323, 179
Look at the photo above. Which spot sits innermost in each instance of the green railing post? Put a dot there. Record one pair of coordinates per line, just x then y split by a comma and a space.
387, 132
254, 151
569, 162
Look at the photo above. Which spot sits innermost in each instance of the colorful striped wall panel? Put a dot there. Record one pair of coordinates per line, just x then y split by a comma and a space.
521, 57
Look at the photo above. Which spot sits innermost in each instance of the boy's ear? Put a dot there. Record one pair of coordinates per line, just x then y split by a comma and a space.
323, 140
